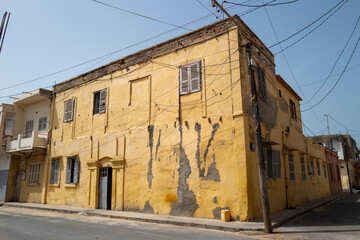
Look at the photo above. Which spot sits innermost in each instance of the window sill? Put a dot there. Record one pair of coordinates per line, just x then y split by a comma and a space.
33, 184
54, 185
70, 185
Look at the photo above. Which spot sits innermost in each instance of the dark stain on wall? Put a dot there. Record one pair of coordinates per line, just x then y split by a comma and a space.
185, 204
148, 208
215, 128
151, 144
215, 200
268, 112
157, 146
213, 173
197, 154
217, 212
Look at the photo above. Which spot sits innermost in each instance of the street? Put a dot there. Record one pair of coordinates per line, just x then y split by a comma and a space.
18, 223
337, 220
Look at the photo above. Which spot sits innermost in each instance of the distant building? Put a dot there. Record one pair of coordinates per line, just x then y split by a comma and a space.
333, 170
346, 148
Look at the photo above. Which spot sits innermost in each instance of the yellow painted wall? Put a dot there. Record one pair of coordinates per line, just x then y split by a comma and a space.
192, 169
187, 155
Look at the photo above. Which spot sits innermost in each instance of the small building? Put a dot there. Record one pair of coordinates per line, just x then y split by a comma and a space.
348, 153
27, 146
7, 123
169, 130
333, 170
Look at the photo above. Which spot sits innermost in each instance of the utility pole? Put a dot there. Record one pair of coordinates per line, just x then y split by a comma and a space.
3, 27
328, 128
257, 130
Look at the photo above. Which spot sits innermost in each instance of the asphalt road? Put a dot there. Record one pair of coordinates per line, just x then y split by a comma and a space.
17, 223
337, 220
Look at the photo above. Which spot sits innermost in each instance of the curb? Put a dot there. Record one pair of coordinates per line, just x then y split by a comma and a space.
282, 222
159, 221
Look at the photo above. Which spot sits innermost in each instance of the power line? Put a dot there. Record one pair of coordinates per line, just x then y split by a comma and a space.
141, 15
306, 26
300, 39
337, 60
259, 6
336, 74
207, 8
344, 125
338, 78
287, 62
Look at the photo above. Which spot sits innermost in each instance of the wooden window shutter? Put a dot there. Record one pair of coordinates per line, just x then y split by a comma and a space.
184, 80
102, 105
276, 164
195, 77
76, 170
52, 175
68, 170
70, 115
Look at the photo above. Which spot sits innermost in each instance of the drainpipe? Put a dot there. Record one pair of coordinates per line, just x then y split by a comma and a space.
285, 168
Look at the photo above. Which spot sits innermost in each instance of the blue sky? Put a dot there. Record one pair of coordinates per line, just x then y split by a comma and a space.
44, 37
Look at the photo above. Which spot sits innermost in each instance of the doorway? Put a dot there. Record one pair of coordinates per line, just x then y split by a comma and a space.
105, 181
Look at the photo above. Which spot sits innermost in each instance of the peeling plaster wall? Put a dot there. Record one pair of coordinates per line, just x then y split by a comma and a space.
160, 164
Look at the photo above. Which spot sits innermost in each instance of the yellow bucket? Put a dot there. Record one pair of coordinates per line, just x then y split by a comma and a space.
225, 215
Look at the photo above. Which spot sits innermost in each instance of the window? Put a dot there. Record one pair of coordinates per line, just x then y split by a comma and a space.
99, 101
29, 128
190, 78
34, 173
69, 110
54, 177
292, 110
324, 171
318, 168
260, 73
291, 167
280, 93
42, 123
272, 163
303, 173
311, 168
72, 170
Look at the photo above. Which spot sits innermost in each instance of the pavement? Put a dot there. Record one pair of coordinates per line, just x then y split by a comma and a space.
278, 218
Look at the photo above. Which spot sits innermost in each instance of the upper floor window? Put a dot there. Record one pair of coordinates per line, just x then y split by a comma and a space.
318, 168
292, 110
69, 110
42, 123
260, 74
311, 168
99, 101
29, 128
190, 78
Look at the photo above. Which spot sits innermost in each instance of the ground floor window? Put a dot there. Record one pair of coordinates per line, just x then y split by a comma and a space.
291, 167
34, 173
318, 168
72, 170
272, 163
324, 171
54, 177
303, 173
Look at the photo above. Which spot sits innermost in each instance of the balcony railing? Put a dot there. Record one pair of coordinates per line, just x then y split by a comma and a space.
21, 143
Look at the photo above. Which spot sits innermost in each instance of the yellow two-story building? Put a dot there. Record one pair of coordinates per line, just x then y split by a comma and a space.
168, 130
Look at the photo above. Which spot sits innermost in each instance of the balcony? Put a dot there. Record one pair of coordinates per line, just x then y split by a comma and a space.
25, 143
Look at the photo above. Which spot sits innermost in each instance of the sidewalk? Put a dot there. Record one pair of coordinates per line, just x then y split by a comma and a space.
278, 218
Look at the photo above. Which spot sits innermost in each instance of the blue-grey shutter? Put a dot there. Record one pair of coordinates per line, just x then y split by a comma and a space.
68, 170
102, 104
52, 173
195, 77
76, 170
184, 80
